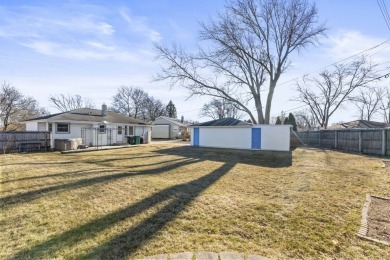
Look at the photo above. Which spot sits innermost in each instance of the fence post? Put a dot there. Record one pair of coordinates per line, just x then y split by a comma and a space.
384, 142
319, 138
360, 141
336, 139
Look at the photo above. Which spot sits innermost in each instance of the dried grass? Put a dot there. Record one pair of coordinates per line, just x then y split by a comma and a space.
148, 200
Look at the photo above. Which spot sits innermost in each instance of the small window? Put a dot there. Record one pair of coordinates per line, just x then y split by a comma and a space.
50, 127
119, 130
125, 130
62, 128
131, 130
102, 129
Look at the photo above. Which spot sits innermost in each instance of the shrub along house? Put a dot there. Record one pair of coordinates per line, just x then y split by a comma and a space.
90, 127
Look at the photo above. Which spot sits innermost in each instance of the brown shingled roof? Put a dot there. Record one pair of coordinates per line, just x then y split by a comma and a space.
360, 124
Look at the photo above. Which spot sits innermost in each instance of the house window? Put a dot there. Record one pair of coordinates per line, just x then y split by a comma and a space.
50, 127
102, 129
62, 128
119, 130
131, 130
125, 130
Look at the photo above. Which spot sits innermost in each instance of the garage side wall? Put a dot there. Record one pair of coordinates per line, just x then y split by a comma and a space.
275, 138
239, 138
269, 137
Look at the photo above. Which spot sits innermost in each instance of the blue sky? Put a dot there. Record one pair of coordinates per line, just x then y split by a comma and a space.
93, 47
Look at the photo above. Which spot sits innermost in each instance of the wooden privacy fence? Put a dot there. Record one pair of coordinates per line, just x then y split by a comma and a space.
368, 141
24, 141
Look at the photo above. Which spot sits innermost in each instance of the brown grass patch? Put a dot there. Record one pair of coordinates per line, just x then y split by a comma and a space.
148, 200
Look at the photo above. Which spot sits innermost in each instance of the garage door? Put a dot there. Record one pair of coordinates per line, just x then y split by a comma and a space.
160, 131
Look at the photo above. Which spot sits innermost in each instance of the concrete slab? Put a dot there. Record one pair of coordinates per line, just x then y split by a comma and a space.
231, 256
157, 257
206, 256
255, 257
182, 256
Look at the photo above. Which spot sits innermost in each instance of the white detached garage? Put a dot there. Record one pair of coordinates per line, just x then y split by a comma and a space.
233, 133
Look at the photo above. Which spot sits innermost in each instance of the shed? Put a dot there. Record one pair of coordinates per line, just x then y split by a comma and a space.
168, 128
234, 133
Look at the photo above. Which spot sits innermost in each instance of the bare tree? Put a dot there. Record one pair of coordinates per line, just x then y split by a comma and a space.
247, 45
15, 107
331, 89
305, 120
129, 101
70, 102
219, 108
134, 102
385, 105
153, 108
367, 101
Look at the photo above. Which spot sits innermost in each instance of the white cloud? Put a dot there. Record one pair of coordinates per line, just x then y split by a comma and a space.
347, 43
88, 50
76, 34
138, 25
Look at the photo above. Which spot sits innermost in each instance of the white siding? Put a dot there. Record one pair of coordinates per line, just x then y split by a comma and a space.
275, 137
31, 126
42, 126
160, 131
232, 137
74, 131
139, 130
174, 129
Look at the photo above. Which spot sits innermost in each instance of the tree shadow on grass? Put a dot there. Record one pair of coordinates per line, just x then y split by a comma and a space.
272, 159
104, 163
35, 194
125, 244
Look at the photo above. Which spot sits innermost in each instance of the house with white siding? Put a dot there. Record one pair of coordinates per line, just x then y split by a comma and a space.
90, 127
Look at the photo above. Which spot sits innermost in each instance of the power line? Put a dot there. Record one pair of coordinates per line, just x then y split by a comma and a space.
369, 49
385, 13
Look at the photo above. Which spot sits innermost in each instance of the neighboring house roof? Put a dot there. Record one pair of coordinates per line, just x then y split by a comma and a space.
90, 115
172, 120
360, 124
224, 122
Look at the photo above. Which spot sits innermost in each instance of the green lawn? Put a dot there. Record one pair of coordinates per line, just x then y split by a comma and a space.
140, 201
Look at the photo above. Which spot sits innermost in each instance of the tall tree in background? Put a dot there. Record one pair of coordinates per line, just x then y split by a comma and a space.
305, 120
219, 108
247, 45
385, 105
292, 121
326, 93
171, 109
278, 121
134, 102
182, 119
70, 102
15, 107
368, 101
152, 109
129, 101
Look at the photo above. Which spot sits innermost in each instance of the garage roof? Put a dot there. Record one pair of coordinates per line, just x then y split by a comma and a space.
224, 122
